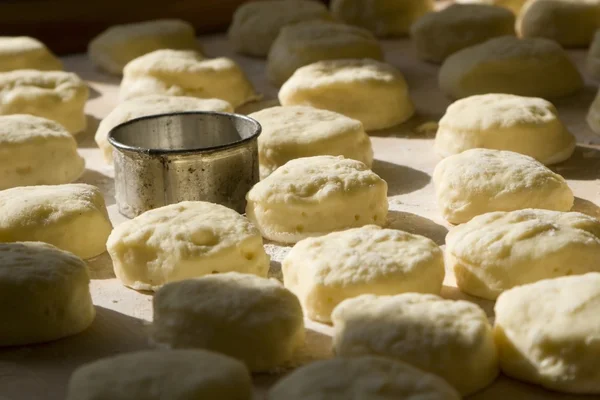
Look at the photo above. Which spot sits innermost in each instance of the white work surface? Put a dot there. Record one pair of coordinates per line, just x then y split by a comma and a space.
404, 158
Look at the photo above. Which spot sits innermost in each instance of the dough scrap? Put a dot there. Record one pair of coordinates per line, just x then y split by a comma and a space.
24, 52
185, 240
36, 151
253, 319
497, 251
525, 125
313, 196
44, 294
593, 115
72, 217
593, 58
452, 339
370, 91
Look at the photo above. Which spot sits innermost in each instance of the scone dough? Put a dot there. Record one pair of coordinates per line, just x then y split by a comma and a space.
186, 73
512, 5
182, 241
72, 217
256, 24
44, 294
365, 378
295, 132
162, 374
326, 270
55, 95
439, 34
382, 17
151, 105
314, 196
253, 319
593, 115
452, 339
36, 151
479, 181
307, 42
370, 91
547, 333
593, 58
525, 125
24, 52
535, 67
115, 47
497, 251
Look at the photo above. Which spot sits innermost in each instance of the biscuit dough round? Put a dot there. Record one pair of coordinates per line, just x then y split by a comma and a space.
497, 251
479, 181
370, 91
112, 49
151, 105
382, 17
256, 24
182, 241
55, 95
253, 319
365, 378
547, 333
295, 132
452, 339
72, 217
525, 125
593, 57
440, 34
44, 294
162, 374
512, 5
186, 73
535, 67
313, 196
307, 42
36, 151
593, 115
24, 52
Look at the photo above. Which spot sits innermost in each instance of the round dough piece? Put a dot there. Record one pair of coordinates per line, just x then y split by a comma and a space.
115, 47
24, 52
182, 241
593, 115
547, 333
525, 125
593, 58
512, 5
56, 95
497, 251
314, 196
479, 181
151, 105
162, 374
439, 34
44, 294
382, 17
452, 339
327, 270
527, 67
36, 151
295, 132
370, 91
364, 378
72, 217
186, 73
253, 319
256, 24
307, 42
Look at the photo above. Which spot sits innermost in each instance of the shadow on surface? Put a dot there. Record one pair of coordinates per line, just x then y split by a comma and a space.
584, 164
256, 106
85, 139
417, 225
101, 267
505, 388
419, 126
454, 293
400, 178
94, 94
105, 183
586, 207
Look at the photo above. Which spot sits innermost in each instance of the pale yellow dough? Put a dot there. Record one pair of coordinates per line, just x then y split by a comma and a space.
500, 250
452, 339
44, 294
370, 91
116, 46
525, 125
253, 319
24, 52
593, 58
593, 115
547, 333
36, 151
512, 5
314, 196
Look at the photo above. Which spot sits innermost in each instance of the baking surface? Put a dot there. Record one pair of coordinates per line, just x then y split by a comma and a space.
404, 158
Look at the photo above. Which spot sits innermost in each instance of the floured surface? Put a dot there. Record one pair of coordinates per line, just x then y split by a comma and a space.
404, 158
